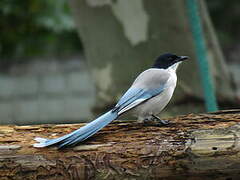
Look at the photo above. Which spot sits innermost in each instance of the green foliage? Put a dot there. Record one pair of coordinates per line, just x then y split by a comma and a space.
34, 27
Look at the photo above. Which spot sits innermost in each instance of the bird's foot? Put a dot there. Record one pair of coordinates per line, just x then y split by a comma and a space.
155, 121
160, 121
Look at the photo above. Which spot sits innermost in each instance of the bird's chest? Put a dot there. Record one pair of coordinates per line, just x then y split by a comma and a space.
156, 104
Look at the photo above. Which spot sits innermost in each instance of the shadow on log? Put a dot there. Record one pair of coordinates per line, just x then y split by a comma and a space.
194, 146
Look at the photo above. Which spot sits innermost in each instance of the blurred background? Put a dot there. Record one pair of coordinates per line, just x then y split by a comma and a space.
69, 61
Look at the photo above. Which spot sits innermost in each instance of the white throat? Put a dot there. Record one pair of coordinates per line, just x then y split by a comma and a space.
174, 66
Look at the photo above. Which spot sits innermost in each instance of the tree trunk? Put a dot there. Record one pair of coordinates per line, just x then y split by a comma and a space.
201, 146
122, 38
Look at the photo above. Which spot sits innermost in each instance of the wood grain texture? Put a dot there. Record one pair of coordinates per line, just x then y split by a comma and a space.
194, 146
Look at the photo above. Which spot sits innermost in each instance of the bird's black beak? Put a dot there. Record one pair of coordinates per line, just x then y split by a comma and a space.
183, 58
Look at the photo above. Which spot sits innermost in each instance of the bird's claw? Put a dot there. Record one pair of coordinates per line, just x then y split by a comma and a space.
163, 122
155, 121
160, 121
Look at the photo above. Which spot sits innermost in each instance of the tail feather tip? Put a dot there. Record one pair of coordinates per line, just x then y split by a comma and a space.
40, 140
39, 145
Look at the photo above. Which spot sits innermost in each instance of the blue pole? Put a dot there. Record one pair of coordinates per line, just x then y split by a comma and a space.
201, 52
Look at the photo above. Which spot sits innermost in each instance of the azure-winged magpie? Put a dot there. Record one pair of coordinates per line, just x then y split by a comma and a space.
146, 98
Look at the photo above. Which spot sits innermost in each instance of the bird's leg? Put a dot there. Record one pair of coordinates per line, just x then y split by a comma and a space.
159, 121
154, 120
146, 120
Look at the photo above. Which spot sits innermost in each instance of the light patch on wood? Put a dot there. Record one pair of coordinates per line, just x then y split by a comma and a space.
10, 147
6, 129
131, 15
26, 127
90, 147
104, 80
209, 142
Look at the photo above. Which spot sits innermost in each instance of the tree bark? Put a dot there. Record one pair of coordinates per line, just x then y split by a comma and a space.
122, 38
194, 146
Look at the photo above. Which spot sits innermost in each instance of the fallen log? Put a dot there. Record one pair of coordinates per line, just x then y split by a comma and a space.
194, 146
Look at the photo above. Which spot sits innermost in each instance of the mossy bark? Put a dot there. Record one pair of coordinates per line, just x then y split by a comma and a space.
122, 38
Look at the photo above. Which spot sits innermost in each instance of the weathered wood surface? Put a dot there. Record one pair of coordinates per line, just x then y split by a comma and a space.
203, 146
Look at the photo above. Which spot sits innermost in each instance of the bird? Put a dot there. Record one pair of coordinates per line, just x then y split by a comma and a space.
149, 94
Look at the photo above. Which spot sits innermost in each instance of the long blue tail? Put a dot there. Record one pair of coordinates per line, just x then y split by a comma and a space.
80, 134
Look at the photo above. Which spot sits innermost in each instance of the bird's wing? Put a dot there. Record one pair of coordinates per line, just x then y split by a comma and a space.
148, 84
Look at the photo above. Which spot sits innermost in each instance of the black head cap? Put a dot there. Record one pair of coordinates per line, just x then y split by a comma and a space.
166, 60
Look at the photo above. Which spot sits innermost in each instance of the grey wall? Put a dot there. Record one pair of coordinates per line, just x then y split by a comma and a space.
48, 91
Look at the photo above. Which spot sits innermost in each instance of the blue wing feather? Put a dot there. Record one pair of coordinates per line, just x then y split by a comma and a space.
134, 94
